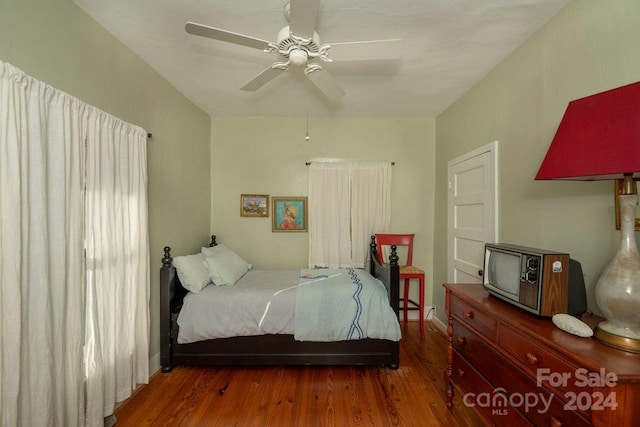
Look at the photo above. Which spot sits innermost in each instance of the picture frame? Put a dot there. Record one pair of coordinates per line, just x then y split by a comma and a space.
618, 188
289, 214
254, 205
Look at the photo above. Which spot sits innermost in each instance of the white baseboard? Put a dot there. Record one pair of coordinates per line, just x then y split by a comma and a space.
154, 364
441, 326
429, 311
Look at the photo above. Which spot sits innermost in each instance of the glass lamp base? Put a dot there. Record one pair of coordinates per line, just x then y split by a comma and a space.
617, 291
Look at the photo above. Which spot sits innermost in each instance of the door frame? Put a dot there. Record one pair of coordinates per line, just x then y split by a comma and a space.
492, 148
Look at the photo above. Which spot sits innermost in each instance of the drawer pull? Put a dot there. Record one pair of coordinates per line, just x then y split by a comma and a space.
554, 422
532, 359
468, 314
461, 340
460, 373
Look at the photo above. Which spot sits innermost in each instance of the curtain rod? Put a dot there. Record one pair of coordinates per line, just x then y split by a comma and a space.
149, 135
308, 163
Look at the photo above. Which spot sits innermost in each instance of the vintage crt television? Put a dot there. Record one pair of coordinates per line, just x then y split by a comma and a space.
540, 281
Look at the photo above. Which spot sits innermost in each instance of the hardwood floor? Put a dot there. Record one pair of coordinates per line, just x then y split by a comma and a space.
413, 395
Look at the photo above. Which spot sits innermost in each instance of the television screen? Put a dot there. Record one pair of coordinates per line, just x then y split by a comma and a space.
504, 271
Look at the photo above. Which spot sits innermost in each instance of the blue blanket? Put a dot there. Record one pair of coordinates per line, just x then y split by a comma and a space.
343, 304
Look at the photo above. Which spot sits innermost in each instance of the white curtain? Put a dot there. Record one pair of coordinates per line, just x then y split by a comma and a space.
41, 254
329, 217
43, 315
117, 258
370, 206
348, 202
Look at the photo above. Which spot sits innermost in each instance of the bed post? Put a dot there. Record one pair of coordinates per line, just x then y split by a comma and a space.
213, 241
393, 285
167, 279
393, 272
395, 280
374, 255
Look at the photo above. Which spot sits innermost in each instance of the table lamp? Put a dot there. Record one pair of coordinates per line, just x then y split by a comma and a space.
599, 138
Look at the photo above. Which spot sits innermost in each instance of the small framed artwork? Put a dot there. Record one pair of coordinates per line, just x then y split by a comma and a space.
289, 213
255, 205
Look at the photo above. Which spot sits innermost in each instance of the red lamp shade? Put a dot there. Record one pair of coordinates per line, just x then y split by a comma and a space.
598, 138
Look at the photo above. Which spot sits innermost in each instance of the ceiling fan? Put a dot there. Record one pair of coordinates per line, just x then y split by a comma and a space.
299, 45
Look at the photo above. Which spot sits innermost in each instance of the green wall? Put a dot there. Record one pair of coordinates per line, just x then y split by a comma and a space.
590, 46
268, 155
56, 42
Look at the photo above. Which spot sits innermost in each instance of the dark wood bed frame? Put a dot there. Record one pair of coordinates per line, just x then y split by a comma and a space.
271, 349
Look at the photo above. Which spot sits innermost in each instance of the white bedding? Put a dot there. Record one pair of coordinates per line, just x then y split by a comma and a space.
264, 302
344, 304
238, 310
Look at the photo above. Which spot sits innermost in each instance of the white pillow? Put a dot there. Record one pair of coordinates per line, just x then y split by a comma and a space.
225, 266
192, 272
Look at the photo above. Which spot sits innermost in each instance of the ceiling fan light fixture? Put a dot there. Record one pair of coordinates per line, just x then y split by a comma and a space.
298, 57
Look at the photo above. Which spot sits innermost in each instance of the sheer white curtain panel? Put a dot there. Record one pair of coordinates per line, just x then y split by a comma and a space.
73, 337
329, 223
117, 263
348, 202
370, 206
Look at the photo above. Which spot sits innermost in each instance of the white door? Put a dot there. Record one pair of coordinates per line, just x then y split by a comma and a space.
472, 212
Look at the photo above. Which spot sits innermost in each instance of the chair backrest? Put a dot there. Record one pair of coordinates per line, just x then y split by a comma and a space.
395, 239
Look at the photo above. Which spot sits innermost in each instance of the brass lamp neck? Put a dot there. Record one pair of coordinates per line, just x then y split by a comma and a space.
629, 185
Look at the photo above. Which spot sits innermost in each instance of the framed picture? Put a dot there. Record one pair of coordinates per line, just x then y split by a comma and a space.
255, 205
289, 213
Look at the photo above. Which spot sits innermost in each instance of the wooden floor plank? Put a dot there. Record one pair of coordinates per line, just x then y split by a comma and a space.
413, 395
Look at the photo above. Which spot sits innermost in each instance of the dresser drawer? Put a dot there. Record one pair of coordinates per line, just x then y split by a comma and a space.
477, 393
544, 365
474, 317
470, 346
510, 383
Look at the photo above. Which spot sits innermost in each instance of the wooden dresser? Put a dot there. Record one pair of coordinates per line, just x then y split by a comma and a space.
515, 368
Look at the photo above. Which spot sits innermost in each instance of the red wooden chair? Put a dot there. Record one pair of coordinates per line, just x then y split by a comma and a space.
407, 272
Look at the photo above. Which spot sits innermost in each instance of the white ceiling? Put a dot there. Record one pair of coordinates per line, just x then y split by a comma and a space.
448, 45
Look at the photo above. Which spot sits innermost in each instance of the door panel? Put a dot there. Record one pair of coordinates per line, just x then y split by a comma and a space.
472, 211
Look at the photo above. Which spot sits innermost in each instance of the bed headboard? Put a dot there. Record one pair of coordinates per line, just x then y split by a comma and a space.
171, 295
170, 282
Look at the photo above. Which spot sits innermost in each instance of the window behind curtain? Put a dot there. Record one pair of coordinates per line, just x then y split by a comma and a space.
348, 202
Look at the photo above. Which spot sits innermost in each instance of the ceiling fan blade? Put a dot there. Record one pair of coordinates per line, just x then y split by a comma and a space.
327, 85
365, 51
263, 78
302, 18
225, 36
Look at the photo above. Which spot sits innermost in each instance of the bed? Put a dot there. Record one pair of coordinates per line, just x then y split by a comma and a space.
272, 348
